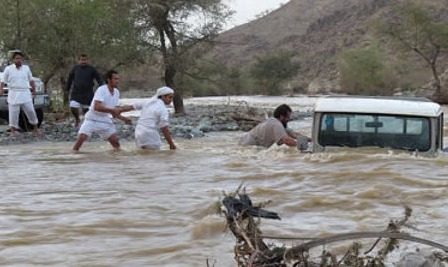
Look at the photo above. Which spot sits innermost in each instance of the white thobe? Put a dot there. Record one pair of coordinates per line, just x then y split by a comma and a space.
154, 115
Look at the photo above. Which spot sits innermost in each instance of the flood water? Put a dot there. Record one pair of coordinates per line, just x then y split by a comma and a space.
134, 208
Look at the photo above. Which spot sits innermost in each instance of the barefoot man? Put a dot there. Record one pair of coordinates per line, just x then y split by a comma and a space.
98, 119
19, 79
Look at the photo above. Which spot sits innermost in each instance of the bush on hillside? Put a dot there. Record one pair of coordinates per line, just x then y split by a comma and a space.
364, 71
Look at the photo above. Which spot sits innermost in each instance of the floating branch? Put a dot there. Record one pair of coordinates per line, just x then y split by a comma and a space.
244, 218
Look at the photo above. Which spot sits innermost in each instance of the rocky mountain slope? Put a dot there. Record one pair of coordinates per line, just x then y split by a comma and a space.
314, 30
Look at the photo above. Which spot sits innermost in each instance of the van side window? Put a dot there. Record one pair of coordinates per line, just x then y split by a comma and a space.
355, 130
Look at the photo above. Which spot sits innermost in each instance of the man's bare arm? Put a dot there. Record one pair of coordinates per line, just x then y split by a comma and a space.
33, 87
168, 138
288, 140
98, 106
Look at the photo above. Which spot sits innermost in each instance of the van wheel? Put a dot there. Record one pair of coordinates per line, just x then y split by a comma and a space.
23, 120
4, 115
40, 116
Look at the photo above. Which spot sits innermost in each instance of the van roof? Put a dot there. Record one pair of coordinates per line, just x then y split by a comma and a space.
408, 106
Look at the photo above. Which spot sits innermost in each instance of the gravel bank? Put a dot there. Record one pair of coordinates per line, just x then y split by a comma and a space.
195, 124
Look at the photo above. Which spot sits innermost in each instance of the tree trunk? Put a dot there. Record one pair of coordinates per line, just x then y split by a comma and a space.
178, 102
170, 58
439, 96
437, 86
65, 94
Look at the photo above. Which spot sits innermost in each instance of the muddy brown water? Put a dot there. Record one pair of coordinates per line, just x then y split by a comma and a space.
134, 208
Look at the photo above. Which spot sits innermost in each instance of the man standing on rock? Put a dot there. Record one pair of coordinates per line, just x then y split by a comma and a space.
19, 79
80, 82
99, 117
274, 131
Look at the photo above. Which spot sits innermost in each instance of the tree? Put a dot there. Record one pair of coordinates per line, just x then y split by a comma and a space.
422, 29
175, 26
54, 32
112, 32
272, 70
213, 78
363, 71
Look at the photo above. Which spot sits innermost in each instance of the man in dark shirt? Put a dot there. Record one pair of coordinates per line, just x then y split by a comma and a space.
80, 82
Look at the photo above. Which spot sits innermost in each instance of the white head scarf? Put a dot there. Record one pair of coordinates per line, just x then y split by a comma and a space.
165, 90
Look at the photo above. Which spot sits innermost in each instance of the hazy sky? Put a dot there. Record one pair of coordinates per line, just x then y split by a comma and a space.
246, 10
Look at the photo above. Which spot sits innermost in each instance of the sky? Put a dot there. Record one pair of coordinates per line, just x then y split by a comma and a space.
247, 10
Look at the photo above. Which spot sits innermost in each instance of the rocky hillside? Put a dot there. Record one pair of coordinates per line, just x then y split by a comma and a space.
315, 30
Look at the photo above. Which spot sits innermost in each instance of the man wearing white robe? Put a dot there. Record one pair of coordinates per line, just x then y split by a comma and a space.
154, 116
19, 80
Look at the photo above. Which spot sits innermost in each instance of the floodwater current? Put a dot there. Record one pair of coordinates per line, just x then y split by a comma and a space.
135, 208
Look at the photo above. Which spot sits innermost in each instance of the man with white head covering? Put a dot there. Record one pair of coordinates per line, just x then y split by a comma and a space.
154, 116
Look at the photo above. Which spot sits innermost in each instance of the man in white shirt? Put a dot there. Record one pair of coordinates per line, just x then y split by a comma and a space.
18, 78
98, 119
154, 116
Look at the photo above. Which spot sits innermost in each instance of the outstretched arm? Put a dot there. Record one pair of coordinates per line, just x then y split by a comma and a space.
295, 135
126, 108
98, 106
126, 120
288, 140
123, 109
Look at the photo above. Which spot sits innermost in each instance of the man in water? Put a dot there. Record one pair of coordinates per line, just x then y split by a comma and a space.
274, 131
99, 117
154, 116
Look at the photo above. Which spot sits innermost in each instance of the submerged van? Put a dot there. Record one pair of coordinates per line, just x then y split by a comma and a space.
410, 123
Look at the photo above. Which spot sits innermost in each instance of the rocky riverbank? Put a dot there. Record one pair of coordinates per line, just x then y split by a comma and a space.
196, 123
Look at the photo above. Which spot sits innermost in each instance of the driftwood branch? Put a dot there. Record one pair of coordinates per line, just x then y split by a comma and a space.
351, 236
251, 250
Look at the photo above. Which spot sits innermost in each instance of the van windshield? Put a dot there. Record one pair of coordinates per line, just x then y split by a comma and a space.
358, 130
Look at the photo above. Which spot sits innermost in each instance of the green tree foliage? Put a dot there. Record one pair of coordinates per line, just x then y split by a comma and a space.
200, 78
272, 70
112, 32
173, 27
54, 32
212, 78
363, 71
421, 28
204, 76
233, 81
